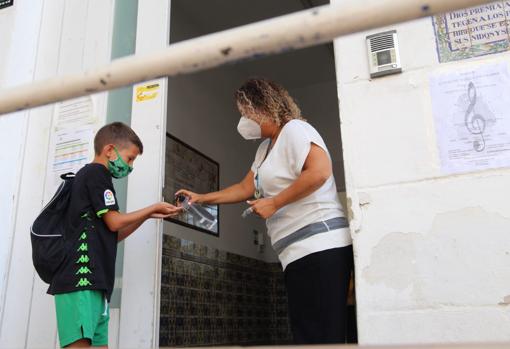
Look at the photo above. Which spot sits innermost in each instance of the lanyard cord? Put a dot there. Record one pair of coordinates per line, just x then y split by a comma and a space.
258, 191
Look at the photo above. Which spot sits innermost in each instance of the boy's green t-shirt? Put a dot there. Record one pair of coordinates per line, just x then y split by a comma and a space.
91, 246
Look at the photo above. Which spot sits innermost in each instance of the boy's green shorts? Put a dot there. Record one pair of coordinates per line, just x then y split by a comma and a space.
82, 314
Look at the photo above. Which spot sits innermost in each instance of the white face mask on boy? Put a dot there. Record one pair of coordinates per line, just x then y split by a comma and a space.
249, 129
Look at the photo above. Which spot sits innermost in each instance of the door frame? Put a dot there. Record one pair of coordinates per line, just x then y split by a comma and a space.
139, 319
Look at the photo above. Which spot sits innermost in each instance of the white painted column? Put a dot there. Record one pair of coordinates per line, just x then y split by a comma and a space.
431, 250
41, 331
139, 323
54, 37
16, 270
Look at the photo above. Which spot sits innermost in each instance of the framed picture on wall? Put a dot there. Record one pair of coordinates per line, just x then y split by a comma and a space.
187, 168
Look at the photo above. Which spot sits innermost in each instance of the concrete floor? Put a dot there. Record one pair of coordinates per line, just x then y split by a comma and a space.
434, 346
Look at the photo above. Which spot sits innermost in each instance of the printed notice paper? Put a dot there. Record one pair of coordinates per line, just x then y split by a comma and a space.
472, 116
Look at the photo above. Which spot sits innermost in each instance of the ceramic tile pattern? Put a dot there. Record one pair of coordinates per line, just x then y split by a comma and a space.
211, 297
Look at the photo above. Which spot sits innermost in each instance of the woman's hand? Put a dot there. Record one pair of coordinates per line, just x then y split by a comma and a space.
165, 210
193, 197
264, 208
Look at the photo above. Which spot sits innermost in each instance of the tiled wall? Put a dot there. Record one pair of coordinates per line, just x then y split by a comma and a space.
211, 297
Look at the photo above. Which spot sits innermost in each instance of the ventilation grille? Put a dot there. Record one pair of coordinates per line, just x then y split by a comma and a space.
383, 42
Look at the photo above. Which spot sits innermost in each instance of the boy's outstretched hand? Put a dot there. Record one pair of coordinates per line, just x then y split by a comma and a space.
165, 210
126, 223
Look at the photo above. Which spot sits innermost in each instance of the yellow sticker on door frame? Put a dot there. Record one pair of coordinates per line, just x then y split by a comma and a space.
147, 92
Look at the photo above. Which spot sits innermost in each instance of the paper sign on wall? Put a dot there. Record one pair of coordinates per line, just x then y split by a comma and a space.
472, 117
74, 112
71, 150
71, 141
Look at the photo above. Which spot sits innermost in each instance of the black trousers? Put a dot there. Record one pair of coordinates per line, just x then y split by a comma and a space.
317, 287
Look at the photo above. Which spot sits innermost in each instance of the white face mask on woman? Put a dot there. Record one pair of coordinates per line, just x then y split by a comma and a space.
249, 129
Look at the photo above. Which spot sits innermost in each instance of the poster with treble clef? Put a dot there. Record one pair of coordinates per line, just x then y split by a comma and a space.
471, 110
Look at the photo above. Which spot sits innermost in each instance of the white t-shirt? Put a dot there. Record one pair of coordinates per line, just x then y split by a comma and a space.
282, 166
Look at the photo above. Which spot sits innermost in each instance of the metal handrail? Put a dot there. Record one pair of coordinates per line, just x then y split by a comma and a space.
290, 32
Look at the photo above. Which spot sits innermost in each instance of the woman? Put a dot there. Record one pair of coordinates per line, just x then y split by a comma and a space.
293, 188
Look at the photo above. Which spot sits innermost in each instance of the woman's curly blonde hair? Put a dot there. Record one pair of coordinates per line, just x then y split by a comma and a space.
269, 99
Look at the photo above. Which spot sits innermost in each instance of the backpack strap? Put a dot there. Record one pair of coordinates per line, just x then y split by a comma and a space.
67, 175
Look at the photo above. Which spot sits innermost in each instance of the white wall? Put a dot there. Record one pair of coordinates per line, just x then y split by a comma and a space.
431, 251
46, 38
15, 41
20, 25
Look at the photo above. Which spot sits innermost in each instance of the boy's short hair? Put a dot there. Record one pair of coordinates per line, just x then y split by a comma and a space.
116, 133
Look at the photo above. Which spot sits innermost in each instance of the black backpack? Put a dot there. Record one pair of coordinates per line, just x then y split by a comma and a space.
48, 231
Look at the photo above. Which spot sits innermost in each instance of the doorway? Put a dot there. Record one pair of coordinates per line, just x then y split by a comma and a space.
227, 289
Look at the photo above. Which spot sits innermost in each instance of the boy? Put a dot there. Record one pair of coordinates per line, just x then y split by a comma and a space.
84, 283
